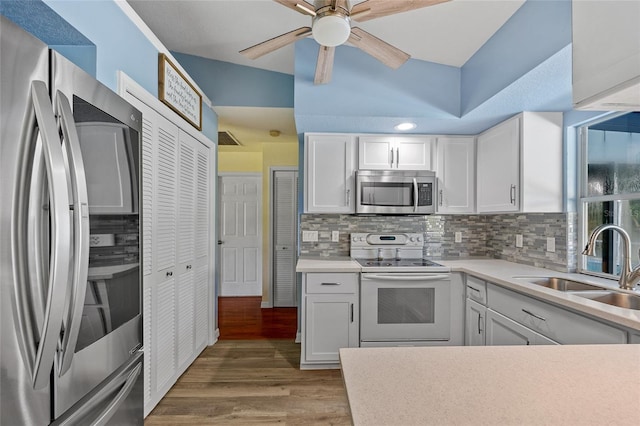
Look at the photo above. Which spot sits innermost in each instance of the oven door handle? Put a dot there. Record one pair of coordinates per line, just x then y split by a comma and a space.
405, 277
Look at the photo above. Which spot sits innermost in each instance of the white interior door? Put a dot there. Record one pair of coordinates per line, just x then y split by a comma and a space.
240, 235
284, 214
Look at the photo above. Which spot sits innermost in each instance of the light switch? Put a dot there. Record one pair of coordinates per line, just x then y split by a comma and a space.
309, 236
519, 242
551, 244
458, 237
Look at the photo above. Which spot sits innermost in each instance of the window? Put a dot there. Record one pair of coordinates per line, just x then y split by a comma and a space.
610, 190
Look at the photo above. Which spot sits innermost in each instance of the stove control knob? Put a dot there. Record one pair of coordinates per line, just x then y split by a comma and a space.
412, 239
355, 239
419, 239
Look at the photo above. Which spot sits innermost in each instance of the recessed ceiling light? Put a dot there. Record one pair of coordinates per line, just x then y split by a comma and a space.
405, 126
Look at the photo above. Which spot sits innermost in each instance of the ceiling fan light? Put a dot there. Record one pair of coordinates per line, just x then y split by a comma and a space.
331, 30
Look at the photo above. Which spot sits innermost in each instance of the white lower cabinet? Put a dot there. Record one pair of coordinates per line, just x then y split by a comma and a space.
503, 331
475, 324
553, 322
329, 318
634, 338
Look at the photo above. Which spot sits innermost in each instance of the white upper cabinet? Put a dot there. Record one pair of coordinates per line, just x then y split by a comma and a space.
519, 165
456, 171
606, 55
395, 152
498, 180
330, 164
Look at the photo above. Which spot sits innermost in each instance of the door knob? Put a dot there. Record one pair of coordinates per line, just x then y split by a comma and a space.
219, 242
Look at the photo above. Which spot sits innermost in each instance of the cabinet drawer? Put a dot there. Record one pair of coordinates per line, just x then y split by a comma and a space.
563, 326
476, 289
331, 283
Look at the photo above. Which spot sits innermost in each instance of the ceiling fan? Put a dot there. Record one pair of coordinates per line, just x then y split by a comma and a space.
331, 27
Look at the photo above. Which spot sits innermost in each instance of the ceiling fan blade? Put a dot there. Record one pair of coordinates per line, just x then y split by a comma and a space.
324, 66
301, 6
371, 9
275, 43
381, 50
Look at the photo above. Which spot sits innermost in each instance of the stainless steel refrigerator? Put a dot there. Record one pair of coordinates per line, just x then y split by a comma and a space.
71, 333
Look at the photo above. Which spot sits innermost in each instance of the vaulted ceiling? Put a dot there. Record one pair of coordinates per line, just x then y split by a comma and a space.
448, 33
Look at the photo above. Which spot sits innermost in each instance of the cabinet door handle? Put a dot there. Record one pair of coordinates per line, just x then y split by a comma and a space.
352, 312
169, 274
391, 157
397, 157
188, 266
479, 322
329, 283
512, 194
441, 197
348, 197
534, 315
473, 288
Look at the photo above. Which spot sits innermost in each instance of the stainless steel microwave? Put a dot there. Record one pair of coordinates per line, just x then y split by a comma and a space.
395, 192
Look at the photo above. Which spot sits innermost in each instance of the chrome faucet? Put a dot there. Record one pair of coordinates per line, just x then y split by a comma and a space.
629, 277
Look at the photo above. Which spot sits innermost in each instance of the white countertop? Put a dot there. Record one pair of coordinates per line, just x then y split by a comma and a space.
327, 264
494, 385
502, 272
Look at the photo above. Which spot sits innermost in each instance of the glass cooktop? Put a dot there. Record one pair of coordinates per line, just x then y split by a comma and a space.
401, 263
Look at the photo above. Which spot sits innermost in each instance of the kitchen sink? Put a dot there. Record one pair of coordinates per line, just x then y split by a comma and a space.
561, 284
622, 300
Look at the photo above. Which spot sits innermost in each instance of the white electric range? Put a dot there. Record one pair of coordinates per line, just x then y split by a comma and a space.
404, 299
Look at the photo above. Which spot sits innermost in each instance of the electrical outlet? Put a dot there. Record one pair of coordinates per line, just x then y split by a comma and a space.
458, 237
335, 236
551, 244
519, 242
309, 236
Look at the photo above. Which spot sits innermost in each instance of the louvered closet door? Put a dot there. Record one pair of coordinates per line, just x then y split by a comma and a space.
284, 224
186, 248
159, 191
202, 244
164, 235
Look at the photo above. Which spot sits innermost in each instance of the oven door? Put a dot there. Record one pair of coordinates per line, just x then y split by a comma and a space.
405, 307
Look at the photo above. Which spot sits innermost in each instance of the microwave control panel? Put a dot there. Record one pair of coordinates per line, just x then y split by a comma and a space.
425, 194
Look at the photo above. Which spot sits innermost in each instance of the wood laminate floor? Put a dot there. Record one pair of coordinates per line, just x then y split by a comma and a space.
256, 381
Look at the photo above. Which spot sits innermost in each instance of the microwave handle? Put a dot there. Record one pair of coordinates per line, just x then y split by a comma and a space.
415, 195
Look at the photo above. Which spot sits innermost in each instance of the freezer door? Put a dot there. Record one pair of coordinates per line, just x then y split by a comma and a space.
116, 401
34, 229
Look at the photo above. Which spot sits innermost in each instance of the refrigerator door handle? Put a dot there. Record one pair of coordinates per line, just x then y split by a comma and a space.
80, 262
126, 380
40, 358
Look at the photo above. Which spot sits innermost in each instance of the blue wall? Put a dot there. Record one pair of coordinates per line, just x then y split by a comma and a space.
237, 85
525, 66
537, 31
98, 37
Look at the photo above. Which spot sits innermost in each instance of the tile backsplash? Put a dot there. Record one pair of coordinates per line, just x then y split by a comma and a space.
487, 235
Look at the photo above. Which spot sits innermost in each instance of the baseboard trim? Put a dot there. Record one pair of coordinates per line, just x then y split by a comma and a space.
298, 337
266, 305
